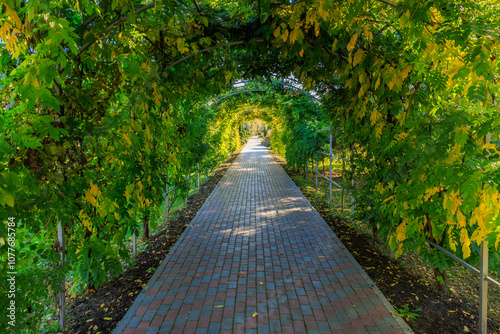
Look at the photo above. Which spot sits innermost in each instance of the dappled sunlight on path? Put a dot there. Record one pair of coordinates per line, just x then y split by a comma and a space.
258, 258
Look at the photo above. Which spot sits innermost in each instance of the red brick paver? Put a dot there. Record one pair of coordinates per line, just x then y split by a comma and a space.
258, 258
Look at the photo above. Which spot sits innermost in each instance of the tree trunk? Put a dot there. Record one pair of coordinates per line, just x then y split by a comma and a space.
443, 282
441, 276
145, 226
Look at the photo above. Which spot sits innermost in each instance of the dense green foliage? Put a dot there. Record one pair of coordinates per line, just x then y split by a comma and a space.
101, 100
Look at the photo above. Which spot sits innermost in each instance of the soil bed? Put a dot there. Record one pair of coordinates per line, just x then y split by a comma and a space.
101, 311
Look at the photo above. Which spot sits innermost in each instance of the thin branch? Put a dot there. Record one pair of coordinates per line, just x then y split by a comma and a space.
114, 24
388, 2
205, 50
40, 230
197, 7
260, 15
89, 20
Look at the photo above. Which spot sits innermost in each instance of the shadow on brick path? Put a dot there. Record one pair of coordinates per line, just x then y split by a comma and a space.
257, 258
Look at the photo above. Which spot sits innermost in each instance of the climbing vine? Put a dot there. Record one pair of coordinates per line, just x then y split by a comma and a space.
104, 103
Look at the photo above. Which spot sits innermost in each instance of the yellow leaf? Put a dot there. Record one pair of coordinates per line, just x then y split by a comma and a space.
464, 239
352, 42
461, 220
293, 36
405, 72
301, 53
102, 305
377, 83
378, 131
361, 91
358, 57
127, 139
218, 306
334, 45
455, 201
94, 190
107, 318
13, 16
4, 30
276, 32
157, 96
368, 33
9, 200
90, 320
148, 133
284, 36
254, 315
348, 84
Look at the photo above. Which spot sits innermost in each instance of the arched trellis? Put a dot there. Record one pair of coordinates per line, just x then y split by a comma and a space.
296, 87
284, 84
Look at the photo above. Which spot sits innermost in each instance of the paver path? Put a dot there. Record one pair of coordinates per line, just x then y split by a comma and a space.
258, 258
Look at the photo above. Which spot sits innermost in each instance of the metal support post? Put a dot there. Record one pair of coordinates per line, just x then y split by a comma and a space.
316, 175
166, 202
324, 175
61, 296
352, 182
198, 176
343, 170
306, 170
189, 186
134, 245
483, 289
331, 139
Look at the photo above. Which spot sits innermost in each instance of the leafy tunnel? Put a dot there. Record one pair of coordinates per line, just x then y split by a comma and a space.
106, 103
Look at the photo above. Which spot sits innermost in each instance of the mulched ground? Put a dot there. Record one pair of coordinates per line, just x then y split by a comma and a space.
406, 282
100, 312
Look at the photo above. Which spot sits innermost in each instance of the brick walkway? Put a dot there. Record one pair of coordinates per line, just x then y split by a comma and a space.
258, 258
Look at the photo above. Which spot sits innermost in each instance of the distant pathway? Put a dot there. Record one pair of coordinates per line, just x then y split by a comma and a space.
258, 258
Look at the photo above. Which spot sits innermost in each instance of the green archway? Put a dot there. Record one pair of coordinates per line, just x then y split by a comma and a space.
100, 103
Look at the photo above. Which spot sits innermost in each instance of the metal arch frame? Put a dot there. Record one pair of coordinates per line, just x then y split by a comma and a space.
239, 92
261, 90
252, 110
282, 83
